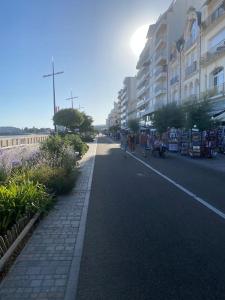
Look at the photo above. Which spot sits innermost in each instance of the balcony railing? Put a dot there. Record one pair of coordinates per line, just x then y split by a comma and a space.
216, 91
160, 54
214, 52
190, 42
160, 89
174, 80
191, 69
173, 56
159, 39
141, 91
160, 70
215, 16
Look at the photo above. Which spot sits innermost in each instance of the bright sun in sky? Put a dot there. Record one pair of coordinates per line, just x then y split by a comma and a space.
138, 39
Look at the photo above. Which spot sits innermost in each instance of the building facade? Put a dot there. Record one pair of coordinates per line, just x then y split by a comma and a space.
183, 61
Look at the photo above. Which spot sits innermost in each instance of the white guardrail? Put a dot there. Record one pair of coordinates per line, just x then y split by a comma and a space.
10, 142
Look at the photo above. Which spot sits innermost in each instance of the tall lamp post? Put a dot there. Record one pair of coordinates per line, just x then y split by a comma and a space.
180, 47
53, 74
71, 98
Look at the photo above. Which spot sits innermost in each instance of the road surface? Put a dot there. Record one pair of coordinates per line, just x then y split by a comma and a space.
146, 237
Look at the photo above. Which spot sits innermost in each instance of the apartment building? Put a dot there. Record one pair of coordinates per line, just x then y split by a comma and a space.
127, 101
183, 61
114, 116
213, 53
145, 77
159, 64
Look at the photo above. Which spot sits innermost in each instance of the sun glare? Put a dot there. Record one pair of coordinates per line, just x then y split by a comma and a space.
138, 39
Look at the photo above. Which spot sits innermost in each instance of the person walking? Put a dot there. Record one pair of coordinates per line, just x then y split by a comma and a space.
132, 142
143, 142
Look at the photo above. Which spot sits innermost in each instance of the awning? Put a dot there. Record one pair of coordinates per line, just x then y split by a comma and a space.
220, 117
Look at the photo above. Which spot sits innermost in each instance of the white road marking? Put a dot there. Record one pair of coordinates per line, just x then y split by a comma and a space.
180, 187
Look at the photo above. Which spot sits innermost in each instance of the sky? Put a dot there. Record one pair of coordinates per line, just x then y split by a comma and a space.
90, 42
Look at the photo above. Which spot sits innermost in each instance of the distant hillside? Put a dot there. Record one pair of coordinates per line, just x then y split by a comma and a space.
7, 130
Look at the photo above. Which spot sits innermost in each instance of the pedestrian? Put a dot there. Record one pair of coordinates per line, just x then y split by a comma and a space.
132, 142
143, 142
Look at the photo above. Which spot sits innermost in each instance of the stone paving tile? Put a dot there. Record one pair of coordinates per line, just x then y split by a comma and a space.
42, 269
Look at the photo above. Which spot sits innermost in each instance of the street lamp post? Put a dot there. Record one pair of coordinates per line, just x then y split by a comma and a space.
53, 84
71, 98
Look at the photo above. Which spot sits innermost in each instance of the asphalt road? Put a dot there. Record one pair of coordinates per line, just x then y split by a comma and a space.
145, 238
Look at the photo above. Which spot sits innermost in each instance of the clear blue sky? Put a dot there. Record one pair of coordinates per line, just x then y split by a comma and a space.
90, 43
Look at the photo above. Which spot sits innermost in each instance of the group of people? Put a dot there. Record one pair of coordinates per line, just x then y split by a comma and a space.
128, 140
144, 139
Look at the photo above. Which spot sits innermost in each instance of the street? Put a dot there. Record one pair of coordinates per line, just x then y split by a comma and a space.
148, 239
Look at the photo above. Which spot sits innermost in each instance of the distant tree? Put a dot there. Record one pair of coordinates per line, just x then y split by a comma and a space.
168, 116
134, 125
198, 113
69, 118
86, 125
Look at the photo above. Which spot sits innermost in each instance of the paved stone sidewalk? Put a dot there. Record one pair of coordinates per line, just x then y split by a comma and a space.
42, 269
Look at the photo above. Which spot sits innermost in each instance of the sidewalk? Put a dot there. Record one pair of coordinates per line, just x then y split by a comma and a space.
42, 270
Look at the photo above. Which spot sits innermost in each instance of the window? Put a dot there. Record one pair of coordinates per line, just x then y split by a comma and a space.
218, 12
218, 77
194, 30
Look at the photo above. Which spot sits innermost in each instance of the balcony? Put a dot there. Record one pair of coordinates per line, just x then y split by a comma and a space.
173, 56
141, 91
160, 89
213, 53
191, 69
161, 72
216, 91
160, 56
215, 17
142, 80
160, 40
174, 80
189, 43
140, 103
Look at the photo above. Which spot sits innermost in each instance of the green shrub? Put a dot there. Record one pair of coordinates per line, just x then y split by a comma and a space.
20, 199
3, 175
56, 180
88, 138
76, 142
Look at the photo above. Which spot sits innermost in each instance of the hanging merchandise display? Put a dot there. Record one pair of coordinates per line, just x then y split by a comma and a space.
173, 140
209, 143
221, 139
184, 143
195, 143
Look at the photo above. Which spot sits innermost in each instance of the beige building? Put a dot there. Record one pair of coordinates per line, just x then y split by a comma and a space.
127, 101
114, 116
213, 53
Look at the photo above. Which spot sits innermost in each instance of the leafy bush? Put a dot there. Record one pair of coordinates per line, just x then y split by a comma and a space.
76, 142
18, 200
3, 175
56, 180
88, 138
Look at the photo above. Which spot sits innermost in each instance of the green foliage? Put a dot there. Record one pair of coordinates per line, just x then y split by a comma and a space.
18, 200
69, 118
86, 126
134, 125
54, 145
56, 180
76, 142
3, 175
197, 113
114, 128
168, 116
87, 138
